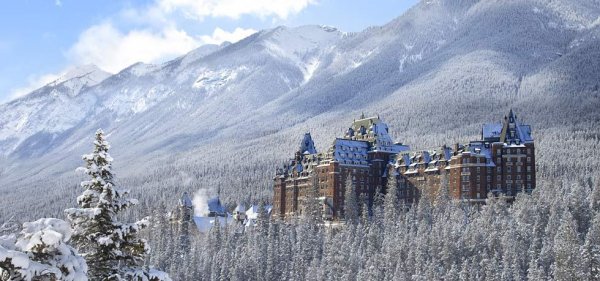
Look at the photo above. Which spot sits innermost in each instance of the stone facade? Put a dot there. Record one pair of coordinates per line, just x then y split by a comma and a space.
502, 162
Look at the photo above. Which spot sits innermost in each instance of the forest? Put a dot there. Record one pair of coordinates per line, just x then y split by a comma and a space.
551, 234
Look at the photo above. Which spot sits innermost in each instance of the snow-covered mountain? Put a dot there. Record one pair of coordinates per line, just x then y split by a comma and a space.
434, 74
50, 110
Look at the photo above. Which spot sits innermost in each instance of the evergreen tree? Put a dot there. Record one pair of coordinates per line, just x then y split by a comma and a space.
592, 249
112, 249
566, 251
40, 252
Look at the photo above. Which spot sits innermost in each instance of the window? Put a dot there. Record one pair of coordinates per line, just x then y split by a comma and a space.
528, 168
508, 169
498, 169
508, 177
465, 160
499, 160
499, 178
528, 177
478, 169
529, 151
518, 169
489, 178
528, 159
498, 151
518, 177
465, 178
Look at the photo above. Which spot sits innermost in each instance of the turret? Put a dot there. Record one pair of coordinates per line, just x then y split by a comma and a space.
307, 146
184, 210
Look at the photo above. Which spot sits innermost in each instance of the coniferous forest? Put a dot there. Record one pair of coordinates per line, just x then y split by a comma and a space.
220, 119
554, 233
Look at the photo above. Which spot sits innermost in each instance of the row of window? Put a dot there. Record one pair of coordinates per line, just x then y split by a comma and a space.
509, 169
498, 178
514, 151
509, 160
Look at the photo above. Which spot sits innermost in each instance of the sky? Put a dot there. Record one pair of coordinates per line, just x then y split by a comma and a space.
43, 39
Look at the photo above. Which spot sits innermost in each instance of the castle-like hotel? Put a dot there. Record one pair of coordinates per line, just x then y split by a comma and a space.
502, 162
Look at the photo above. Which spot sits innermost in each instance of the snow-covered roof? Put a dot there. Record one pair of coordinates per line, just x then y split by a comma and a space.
428, 157
376, 132
350, 151
491, 132
204, 224
307, 145
514, 132
252, 212
214, 205
525, 133
239, 208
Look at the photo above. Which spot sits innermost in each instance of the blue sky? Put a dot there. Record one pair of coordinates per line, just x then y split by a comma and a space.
42, 39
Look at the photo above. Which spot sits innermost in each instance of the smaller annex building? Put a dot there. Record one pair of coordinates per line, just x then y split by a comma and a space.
216, 213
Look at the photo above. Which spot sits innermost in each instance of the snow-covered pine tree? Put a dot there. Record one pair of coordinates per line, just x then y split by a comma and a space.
350, 201
111, 248
591, 249
41, 252
567, 251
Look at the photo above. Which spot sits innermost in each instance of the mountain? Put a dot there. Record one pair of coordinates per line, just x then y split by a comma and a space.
47, 112
224, 116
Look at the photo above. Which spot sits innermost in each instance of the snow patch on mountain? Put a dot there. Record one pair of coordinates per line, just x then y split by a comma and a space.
213, 80
136, 99
89, 75
140, 69
304, 46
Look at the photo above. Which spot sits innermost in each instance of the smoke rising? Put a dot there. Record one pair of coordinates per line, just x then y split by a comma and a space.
200, 201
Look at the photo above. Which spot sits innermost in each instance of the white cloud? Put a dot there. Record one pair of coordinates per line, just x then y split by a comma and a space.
113, 50
219, 35
108, 48
235, 8
160, 39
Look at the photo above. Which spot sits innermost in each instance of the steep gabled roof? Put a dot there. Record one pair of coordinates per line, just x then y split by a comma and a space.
514, 132
307, 145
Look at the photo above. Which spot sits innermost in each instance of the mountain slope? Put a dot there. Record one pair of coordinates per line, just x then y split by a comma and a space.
224, 116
